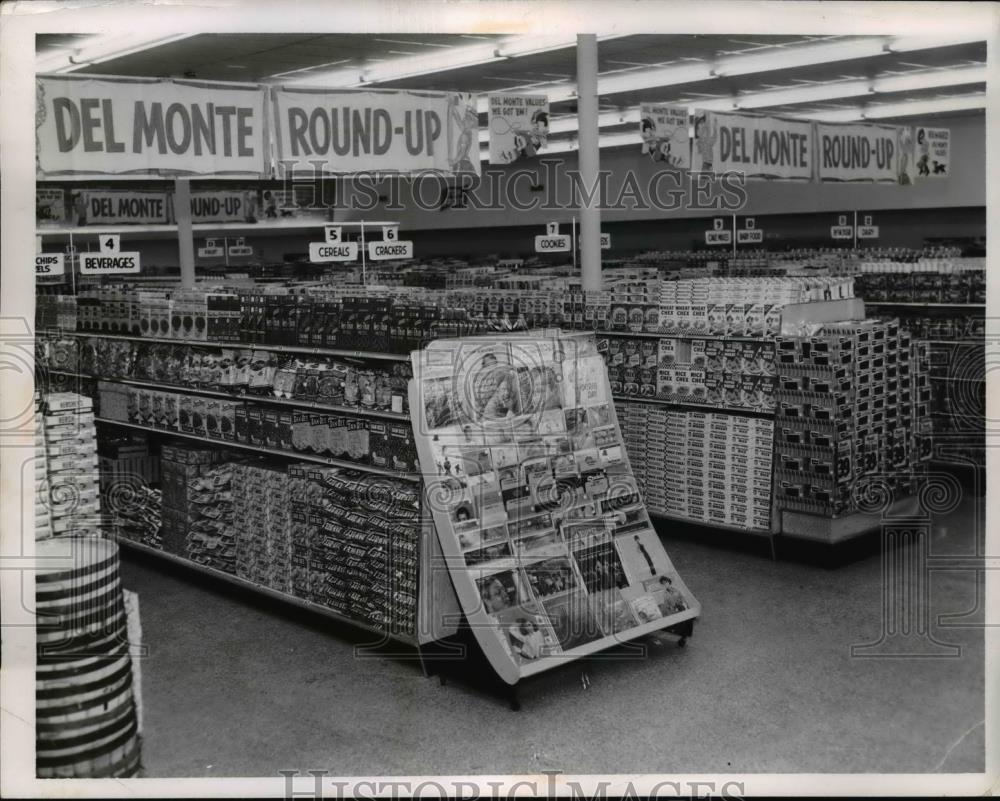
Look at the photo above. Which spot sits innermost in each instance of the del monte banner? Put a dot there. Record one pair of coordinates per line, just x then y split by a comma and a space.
759, 146
349, 131
86, 125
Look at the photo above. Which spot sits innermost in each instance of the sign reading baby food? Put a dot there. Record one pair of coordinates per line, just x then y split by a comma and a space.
861, 153
346, 131
537, 511
758, 146
664, 131
518, 125
120, 126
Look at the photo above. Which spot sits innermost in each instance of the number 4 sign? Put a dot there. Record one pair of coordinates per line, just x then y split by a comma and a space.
109, 243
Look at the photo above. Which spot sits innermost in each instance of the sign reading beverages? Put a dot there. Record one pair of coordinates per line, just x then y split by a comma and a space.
320, 252
50, 264
108, 264
548, 243
386, 251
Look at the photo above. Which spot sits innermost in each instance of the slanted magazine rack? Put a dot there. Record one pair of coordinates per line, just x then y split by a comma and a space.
538, 514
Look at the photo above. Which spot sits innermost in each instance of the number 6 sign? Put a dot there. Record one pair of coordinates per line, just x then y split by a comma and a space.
390, 233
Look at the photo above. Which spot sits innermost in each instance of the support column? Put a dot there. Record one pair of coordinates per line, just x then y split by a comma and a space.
185, 238
589, 160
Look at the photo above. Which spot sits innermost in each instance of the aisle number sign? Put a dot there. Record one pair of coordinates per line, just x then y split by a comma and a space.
391, 247
719, 235
750, 234
333, 248
867, 231
50, 265
109, 259
552, 241
241, 248
842, 230
211, 250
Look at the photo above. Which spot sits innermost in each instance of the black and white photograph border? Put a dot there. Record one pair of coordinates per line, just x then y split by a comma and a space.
873, 675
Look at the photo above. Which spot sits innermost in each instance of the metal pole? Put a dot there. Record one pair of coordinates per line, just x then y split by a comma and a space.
73, 262
734, 236
364, 257
185, 238
855, 230
589, 160
574, 244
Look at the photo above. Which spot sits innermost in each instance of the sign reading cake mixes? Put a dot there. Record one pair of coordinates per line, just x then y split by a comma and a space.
350, 131
142, 126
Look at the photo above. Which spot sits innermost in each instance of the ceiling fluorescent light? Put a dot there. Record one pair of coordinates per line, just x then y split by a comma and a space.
930, 80
780, 58
914, 108
98, 49
907, 44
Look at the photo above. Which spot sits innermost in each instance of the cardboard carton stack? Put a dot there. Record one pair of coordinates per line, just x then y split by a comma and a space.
211, 537
179, 466
853, 409
72, 488
263, 525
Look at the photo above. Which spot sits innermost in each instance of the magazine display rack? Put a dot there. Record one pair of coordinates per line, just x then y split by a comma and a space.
539, 516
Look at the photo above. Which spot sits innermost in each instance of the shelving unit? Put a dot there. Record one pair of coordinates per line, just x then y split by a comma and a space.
697, 407
294, 455
357, 411
333, 352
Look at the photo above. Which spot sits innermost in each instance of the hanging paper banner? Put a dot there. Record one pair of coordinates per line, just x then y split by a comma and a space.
223, 206
349, 131
932, 152
759, 147
132, 126
539, 516
50, 205
123, 207
857, 152
519, 126
664, 131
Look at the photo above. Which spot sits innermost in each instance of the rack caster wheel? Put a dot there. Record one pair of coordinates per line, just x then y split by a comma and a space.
682, 642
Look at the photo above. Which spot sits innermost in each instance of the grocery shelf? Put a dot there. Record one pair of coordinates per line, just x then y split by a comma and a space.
698, 407
284, 597
970, 342
301, 456
922, 305
675, 335
357, 411
204, 343
690, 521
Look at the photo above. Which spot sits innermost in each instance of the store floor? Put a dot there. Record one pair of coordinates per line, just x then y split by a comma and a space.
232, 687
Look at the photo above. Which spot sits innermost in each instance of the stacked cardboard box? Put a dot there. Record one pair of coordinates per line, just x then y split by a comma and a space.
211, 537
72, 488
179, 465
853, 413
707, 467
263, 525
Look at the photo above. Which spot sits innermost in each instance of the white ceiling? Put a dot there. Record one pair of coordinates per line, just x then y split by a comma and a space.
342, 58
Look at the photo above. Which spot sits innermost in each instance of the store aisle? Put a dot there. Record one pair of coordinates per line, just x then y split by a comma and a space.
767, 684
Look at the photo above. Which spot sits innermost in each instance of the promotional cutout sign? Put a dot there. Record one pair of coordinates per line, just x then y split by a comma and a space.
539, 517
758, 146
932, 152
122, 126
346, 131
519, 126
664, 131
